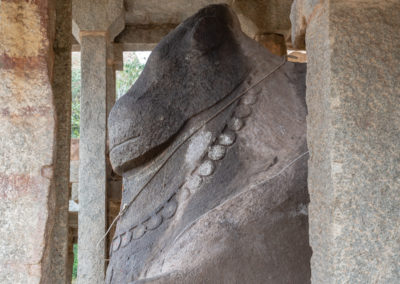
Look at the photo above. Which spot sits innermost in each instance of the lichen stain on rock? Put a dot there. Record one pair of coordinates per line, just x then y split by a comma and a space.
26, 111
47, 171
22, 63
25, 87
25, 25
15, 186
21, 30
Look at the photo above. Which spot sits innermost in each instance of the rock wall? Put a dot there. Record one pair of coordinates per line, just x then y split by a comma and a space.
30, 114
354, 138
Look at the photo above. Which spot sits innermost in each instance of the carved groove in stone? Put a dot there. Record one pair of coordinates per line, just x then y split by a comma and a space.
138, 232
126, 238
154, 222
169, 209
185, 194
116, 243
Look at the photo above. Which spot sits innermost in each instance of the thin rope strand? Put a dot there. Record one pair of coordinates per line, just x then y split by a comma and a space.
282, 170
124, 208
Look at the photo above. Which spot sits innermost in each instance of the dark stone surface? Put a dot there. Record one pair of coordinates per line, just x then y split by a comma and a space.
181, 78
216, 187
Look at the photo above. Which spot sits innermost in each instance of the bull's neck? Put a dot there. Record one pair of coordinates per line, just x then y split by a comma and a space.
155, 182
157, 186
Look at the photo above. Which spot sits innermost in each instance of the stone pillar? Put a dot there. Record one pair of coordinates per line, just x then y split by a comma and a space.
354, 139
70, 257
57, 271
275, 43
114, 62
34, 111
95, 24
92, 154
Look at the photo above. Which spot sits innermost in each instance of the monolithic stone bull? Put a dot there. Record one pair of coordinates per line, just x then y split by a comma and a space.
211, 145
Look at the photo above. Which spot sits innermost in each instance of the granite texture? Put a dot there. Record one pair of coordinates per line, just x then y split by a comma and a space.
300, 15
56, 270
98, 16
256, 16
92, 163
30, 114
354, 141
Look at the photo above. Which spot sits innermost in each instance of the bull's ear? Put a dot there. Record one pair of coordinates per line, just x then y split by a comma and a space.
209, 33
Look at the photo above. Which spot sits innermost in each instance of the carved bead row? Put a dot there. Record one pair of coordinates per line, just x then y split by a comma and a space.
215, 153
151, 223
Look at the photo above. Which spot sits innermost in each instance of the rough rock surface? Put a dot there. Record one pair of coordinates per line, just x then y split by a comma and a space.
32, 165
354, 141
214, 172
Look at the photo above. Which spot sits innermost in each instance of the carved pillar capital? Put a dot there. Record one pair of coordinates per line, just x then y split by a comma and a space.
99, 17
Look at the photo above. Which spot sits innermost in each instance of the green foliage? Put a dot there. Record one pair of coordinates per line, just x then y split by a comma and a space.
75, 266
76, 98
124, 80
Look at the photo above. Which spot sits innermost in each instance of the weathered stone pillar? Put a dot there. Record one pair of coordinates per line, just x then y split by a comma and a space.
354, 138
34, 145
70, 257
114, 62
95, 24
92, 154
57, 269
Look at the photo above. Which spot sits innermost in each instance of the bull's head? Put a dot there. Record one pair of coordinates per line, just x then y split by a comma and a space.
191, 69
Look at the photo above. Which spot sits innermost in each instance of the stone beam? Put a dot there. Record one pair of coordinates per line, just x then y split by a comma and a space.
142, 37
354, 140
136, 38
95, 25
147, 22
70, 256
263, 16
34, 147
